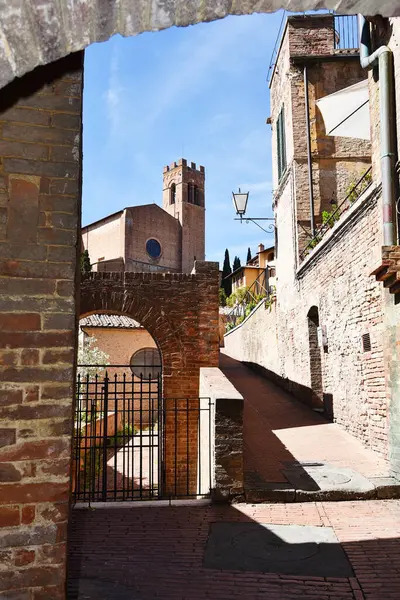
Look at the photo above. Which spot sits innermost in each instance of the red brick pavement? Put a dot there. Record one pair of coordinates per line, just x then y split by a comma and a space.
157, 552
278, 429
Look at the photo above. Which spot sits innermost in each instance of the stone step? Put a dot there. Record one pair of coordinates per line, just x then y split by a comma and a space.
320, 482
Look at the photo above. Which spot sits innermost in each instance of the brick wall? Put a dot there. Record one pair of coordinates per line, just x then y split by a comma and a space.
181, 313
40, 148
336, 161
337, 280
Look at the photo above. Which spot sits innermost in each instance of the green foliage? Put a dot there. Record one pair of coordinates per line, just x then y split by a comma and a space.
237, 297
222, 297
269, 302
90, 354
330, 218
226, 270
86, 267
353, 192
248, 259
122, 436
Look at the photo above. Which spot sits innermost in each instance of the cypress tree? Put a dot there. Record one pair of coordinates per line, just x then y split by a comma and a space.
248, 256
86, 267
226, 284
236, 263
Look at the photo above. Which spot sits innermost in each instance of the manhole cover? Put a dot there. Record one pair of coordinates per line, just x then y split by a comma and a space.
327, 477
258, 544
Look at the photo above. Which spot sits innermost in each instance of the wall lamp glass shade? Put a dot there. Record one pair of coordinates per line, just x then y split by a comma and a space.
240, 202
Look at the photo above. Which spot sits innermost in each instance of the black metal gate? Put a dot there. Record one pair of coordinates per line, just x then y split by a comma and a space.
131, 444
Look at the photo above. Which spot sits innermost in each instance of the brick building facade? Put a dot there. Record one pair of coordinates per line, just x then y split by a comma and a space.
330, 333
149, 238
40, 207
40, 190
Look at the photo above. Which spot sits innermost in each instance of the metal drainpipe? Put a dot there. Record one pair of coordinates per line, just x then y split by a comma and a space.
383, 58
308, 136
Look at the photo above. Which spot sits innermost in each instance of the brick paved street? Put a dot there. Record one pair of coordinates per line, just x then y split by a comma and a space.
146, 552
279, 429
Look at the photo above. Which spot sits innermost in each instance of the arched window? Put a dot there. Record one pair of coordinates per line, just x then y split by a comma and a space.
172, 192
147, 363
190, 193
196, 195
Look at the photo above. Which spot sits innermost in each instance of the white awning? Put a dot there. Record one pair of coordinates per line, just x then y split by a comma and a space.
346, 113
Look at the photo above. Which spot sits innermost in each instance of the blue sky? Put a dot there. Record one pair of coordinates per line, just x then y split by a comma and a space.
198, 92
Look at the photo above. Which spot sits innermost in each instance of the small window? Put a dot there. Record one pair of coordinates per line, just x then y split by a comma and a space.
366, 342
281, 143
172, 192
153, 248
146, 363
190, 193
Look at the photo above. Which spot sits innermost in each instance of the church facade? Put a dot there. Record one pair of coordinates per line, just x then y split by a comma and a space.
149, 238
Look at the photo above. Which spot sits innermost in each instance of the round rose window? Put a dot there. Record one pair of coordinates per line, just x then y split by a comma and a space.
153, 248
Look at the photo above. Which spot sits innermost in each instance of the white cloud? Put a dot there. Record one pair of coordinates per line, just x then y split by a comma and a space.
114, 95
197, 58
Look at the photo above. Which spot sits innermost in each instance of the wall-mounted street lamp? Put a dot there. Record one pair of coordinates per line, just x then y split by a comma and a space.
240, 200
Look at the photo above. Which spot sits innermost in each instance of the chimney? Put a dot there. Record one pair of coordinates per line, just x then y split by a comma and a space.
261, 247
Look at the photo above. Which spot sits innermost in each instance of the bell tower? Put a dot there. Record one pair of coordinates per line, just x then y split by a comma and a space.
184, 199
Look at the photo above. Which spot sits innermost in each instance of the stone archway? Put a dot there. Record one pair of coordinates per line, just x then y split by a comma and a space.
35, 34
178, 310
40, 182
181, 313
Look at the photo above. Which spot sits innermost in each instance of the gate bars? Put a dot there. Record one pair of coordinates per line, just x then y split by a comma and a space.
131, 444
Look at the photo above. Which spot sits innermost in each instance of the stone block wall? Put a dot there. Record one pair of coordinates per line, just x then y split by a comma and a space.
336, 279
40, 149
227, 435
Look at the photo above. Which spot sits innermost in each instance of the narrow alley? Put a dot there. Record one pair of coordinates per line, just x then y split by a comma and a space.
283, 436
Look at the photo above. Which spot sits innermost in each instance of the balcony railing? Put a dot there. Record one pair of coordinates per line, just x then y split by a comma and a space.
346, 32
329, 218
249, 298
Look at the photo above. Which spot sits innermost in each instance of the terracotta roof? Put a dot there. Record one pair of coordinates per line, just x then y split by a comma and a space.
111, 321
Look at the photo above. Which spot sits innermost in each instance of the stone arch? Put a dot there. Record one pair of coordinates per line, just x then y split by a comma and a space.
106, 299
178, 310
36, 34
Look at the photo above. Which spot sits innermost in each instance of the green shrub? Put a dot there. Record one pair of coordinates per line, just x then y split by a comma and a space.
353, 192
330, 218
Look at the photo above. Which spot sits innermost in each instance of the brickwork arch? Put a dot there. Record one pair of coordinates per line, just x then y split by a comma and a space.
179, 311
37, 33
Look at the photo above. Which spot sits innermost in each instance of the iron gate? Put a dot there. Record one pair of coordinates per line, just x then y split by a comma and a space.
132, 444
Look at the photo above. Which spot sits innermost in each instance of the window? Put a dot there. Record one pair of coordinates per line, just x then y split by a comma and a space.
196, 198
172, 192
153, 248
366, 342
281, 143
146, 363
190, 193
